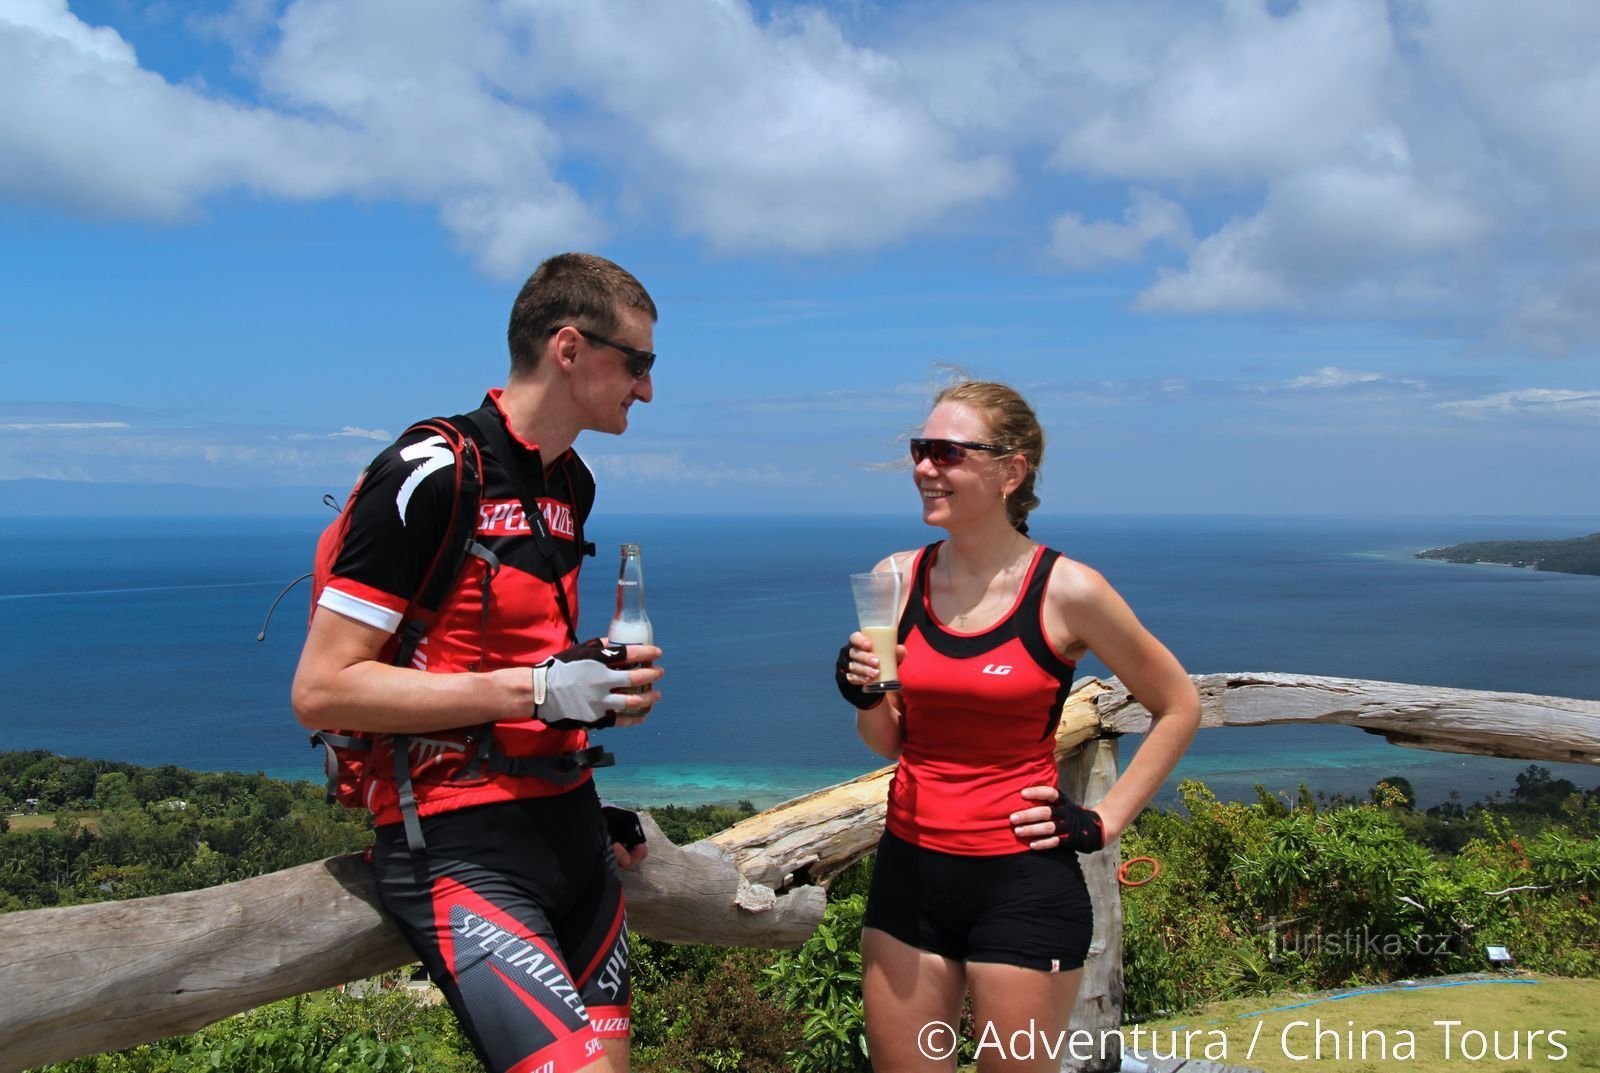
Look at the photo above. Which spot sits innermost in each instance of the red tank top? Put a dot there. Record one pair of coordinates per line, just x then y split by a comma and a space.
980, 714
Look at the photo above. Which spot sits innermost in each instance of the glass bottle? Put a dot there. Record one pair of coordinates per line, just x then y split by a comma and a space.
630, 625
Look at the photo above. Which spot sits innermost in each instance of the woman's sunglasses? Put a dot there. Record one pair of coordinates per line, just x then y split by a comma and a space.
947, 453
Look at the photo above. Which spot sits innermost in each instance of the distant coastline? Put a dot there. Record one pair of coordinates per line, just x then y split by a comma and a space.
1579, 555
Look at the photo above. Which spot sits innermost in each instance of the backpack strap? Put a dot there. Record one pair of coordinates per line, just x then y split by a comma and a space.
563, 770
334, 740
459, 539
406, 797
520, 465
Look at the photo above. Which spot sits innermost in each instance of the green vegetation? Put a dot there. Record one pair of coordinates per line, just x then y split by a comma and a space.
1253, 899
1580, 555
330, 1032
1269, 896
95, 830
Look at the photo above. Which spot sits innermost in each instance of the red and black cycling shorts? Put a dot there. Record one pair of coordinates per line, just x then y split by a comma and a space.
516, 911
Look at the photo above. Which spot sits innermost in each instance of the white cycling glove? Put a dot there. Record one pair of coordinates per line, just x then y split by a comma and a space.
577, 690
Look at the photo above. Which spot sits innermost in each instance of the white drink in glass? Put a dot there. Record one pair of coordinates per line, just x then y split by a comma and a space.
883, 640
635, 632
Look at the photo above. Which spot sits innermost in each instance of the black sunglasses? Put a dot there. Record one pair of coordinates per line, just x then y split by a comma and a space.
638, 361
947, 453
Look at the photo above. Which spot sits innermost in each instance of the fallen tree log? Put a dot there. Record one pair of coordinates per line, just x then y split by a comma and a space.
1478, 722
91, 978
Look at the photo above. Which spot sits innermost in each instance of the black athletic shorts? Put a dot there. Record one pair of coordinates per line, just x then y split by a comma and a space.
1030, 908
516, 911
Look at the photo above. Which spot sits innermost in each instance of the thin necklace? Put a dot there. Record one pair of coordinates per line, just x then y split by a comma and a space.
1004, 575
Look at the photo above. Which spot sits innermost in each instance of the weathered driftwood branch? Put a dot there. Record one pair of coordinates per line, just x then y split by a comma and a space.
100, 977
1480, 722
699, 894
93, 978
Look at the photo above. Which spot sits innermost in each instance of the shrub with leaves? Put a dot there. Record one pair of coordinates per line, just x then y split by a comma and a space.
714, 1017
822, 980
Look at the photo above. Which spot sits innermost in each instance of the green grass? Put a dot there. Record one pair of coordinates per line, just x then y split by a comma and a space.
1538, 1023
45, 820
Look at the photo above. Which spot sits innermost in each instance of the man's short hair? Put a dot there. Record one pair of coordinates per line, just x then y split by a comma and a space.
580, 289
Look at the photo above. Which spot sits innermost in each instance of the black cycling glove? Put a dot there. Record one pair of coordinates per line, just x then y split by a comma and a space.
1078, 828
623, 826
856, 695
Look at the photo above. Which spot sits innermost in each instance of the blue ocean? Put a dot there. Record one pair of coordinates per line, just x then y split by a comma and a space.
135, 639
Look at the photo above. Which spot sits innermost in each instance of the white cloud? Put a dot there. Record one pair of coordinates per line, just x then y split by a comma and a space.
349, 432
101, 136
1227, 91
1347, 157
779, 135
1331, 377
1530, 79
1227, 272
1537, 402
67, 441
1322, 236
776, 136
1352, 157
1150, 218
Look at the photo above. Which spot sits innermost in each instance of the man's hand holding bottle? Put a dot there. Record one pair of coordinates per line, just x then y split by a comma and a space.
586, 687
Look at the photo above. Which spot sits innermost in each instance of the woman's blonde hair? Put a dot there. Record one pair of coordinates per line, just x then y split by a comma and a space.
1014, 427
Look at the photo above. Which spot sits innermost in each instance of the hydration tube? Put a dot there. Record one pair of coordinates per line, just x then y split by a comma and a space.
333, 505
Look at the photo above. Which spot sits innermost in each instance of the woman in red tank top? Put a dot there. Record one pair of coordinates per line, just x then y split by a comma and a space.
977, 885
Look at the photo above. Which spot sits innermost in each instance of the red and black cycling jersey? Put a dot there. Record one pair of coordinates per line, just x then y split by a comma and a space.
979, 718
392, 531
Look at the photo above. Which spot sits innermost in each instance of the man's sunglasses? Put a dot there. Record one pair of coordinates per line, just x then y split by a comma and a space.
638, 361
947, 453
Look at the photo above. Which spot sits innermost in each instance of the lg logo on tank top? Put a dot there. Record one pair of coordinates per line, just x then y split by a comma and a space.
997, 668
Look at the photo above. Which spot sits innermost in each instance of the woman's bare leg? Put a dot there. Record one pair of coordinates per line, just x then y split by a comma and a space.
913, 1005
1008, 999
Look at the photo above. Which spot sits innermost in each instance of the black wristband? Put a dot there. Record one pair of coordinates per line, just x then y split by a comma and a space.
1078, 828
851, 692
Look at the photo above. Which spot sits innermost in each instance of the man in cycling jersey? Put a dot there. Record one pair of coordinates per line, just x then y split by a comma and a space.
492, 850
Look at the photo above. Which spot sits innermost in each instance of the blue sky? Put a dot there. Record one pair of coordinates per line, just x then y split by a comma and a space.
1326, 257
